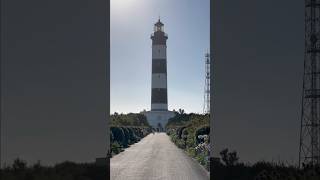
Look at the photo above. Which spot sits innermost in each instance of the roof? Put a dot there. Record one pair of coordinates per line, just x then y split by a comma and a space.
159, 23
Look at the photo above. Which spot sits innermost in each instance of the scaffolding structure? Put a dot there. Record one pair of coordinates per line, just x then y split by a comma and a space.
206, 104
309, 151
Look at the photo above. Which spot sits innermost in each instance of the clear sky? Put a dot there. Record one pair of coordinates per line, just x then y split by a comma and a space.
187, 25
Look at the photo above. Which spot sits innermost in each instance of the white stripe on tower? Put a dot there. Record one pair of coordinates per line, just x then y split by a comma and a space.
157, 106
159, 80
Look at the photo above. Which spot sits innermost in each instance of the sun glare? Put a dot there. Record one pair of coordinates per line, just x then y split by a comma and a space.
120, 5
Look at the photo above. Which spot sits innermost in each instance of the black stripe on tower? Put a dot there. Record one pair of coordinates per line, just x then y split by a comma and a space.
159, 95
159, 38
159, 66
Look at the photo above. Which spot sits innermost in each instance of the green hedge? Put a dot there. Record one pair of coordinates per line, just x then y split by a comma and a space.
184, 130
202, 130
123, 137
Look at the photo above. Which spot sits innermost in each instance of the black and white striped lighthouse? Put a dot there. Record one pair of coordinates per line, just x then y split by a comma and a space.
159, 114
159, 93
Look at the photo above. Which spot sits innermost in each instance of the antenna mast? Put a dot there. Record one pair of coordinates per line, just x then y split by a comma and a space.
206, 105
309, 151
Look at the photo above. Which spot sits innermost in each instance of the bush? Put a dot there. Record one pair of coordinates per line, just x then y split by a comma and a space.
184, 130
118, 135
131, 119
115, 148
61, 171
229, 158
19, 165
202, 130
122, 137
126, 141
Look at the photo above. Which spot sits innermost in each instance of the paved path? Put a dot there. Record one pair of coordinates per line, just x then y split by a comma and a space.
155, 157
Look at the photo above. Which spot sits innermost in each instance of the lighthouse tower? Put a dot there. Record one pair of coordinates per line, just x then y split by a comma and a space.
159, 114
159, 93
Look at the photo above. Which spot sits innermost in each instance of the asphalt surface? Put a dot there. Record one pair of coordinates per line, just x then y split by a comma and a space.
155, 157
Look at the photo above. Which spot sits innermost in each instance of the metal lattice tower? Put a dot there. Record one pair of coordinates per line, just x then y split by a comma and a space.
206, 104
309, 152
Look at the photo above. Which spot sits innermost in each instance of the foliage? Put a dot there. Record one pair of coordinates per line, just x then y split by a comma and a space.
203, 130
263, 171
123, 137
231, 169
19, 165
229, 158
178, 120
191, 133
62, 171
115, 147
131, 119
127, 129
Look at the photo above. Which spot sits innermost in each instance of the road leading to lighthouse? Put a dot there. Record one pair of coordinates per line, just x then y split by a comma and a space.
155, 158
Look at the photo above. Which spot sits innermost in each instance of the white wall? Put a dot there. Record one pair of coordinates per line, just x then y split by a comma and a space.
159, 80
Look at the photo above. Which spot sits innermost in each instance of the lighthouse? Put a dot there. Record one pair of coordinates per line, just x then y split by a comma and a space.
159, 93
159, 114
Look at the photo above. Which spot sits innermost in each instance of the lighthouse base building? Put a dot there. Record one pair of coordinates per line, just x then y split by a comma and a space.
159, 114
159, 119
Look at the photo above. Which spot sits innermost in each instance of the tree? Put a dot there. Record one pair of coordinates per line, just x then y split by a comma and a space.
229, 158
181, 111
19, 165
